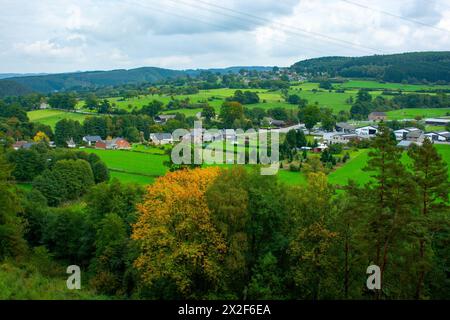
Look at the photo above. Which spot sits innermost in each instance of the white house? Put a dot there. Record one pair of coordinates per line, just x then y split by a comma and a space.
71, 143
161, 138
91, 140
342, 138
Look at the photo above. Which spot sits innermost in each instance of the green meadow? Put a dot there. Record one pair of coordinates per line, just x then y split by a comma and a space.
132, 163
144, 167
337, 101
358, 84
417, 112
50, 117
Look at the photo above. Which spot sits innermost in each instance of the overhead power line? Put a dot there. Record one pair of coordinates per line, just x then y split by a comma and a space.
285, 27
396, 16
176, 13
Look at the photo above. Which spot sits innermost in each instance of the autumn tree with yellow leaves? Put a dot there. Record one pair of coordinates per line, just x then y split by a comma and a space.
179, 244
41, 137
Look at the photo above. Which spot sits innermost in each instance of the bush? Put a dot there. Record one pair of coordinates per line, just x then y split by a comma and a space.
68, 180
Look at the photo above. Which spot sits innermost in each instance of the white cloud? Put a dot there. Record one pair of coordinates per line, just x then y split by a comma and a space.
69, 35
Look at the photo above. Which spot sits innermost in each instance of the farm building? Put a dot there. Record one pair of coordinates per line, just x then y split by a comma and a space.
344, 127
443, 136
366, 131
163, 118
377, 116
415, 136
161, 138
437, 121
401, 134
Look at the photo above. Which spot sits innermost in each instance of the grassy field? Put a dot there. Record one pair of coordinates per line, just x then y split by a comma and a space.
129, 166
412, 113
143, 168
444, 151
51, 117
358, 84
337, 101
352, 169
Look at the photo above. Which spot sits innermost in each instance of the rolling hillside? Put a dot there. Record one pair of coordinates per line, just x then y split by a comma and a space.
430, 66
13, 88
65, 81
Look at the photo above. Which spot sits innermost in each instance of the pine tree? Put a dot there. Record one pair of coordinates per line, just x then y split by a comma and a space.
431, 177
391, 205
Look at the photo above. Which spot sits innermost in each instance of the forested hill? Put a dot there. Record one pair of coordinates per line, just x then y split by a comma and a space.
12, 88
68, 81
415, 66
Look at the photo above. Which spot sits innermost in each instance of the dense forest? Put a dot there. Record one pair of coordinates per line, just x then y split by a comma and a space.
411, 67
13, 88
66, 81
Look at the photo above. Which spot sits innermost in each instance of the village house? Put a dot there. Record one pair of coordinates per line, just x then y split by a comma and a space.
114, 144
71, 144
44, 106
377, 116
91, 140
342, 138
163, 118
19, 145
161, 138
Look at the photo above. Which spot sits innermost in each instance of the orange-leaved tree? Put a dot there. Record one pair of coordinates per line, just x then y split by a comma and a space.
178, 242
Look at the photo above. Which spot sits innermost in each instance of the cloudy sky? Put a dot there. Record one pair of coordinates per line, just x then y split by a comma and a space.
72, 35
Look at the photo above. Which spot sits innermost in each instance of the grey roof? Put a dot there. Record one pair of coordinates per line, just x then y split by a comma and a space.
162, 136
92, 138
277, 122
345, 126
166, 116
377, 113
414, 134
440, 120
28, 145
